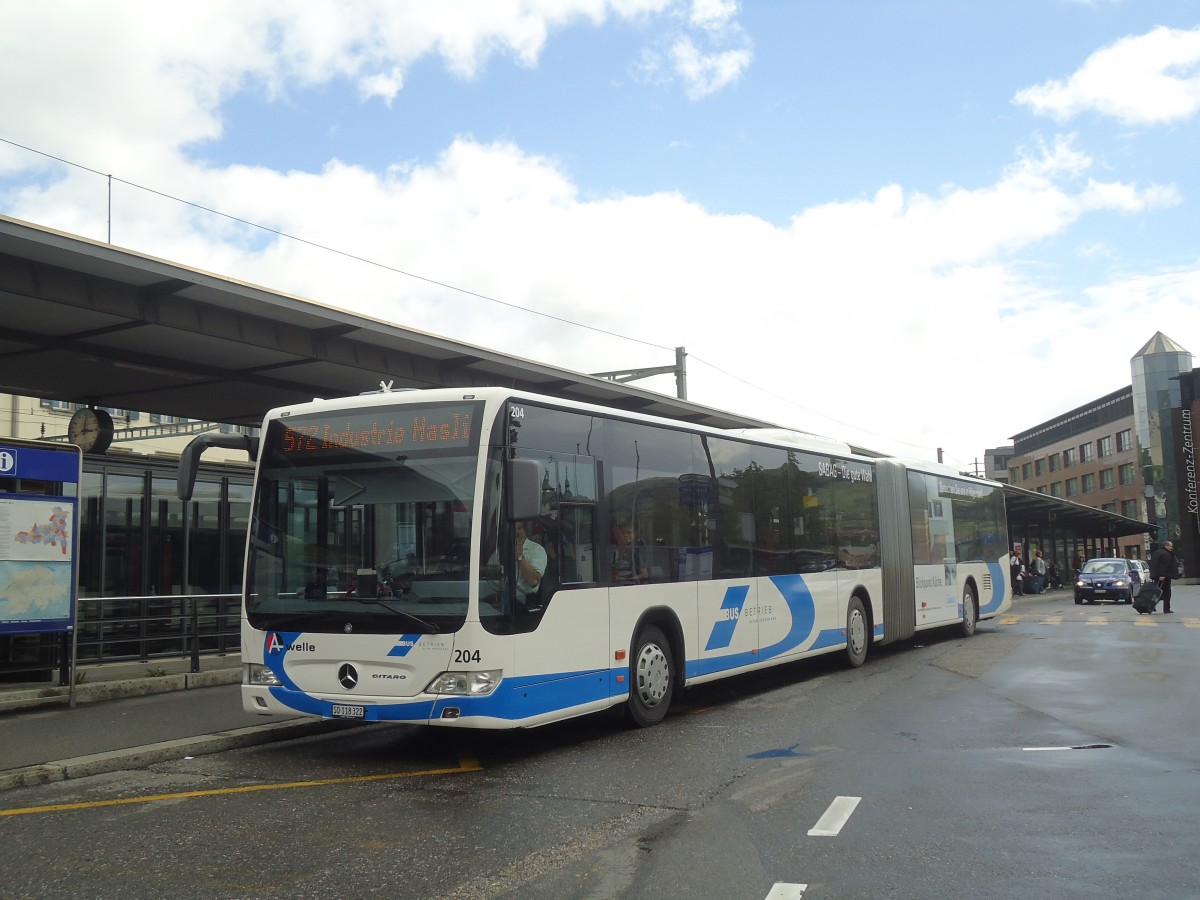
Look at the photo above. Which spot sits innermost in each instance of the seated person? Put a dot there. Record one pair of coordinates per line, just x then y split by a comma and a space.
530, 566
628, 558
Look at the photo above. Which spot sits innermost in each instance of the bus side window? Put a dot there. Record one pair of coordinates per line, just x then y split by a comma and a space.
578, 563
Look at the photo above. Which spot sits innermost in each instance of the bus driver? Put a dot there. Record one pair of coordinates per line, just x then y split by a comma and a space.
531, 564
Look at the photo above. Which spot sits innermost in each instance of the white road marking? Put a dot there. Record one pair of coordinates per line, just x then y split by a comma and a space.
783, 891
835, 817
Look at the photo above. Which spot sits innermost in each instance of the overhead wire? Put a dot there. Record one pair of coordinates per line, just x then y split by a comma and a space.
442, 284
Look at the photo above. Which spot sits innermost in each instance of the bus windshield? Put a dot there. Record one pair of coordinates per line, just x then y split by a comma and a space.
354, 531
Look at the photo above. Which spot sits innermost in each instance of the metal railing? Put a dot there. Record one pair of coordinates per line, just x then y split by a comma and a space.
127, 629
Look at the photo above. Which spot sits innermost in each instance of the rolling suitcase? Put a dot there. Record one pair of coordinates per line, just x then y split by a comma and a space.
1147, 598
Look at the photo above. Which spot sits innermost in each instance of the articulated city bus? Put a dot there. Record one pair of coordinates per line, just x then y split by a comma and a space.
495, 559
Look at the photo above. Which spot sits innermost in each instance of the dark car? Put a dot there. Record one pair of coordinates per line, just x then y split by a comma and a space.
1113, 579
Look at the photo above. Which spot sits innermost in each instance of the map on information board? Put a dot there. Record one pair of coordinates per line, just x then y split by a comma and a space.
36, 564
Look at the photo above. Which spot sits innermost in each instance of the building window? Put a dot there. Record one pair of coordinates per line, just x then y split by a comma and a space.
1089, 482
1014, 475
1104, 446
1026, 471
1129, 509
1110, 507
1085, 453
1069, 457
1054, 462
1107, 479
1072, 487
128, 414
1039, 466
59, 404
1124, 441
1056, 489
1125, 473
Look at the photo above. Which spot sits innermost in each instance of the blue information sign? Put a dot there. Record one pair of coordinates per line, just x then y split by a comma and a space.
39, 532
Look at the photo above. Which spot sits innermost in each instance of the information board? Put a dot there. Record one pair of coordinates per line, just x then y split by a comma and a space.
39, 529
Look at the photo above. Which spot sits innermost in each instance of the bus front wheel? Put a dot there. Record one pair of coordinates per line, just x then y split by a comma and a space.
652, 677
970, 611
857, 636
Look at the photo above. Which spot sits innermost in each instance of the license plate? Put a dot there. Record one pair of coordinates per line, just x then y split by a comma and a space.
1098, 590
340, 711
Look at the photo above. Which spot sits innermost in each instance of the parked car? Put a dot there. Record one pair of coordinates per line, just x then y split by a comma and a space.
1110, 578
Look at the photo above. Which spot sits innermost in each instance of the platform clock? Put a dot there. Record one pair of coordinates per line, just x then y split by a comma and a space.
90, 429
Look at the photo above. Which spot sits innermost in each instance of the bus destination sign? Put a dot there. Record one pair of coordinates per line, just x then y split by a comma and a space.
419, 429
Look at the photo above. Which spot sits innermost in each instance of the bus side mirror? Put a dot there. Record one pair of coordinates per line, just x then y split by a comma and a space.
189, 459
524, 490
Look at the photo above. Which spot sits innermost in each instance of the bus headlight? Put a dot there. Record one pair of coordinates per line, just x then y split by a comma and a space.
471, 684
261, 675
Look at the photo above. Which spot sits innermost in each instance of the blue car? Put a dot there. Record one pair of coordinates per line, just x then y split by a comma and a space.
1111, 578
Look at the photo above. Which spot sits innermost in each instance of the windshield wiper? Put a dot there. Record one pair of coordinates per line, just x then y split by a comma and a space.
430, 627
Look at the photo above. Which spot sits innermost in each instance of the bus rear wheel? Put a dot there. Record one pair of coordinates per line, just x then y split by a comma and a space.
857, 636
970, 606
651, 676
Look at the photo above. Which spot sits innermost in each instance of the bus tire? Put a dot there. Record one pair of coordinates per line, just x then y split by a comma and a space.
651, 677
970, 606
857, 633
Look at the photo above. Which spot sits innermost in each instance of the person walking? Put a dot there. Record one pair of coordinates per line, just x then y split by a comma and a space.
1162, 570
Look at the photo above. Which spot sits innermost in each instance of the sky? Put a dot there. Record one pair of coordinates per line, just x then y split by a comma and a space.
906, 225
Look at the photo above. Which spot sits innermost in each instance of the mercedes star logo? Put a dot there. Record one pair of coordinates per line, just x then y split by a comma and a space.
348, 676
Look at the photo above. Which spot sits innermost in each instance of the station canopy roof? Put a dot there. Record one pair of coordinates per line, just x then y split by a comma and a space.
1029, 508
87, 322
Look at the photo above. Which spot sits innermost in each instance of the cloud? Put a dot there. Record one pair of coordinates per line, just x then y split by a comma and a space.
707, 73
901, 320
707, 52
1150, 79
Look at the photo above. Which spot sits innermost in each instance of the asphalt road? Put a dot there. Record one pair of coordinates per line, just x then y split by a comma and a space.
1053, 754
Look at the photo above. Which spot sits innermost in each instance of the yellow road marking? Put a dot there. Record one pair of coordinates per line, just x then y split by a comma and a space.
1097, 620
466, 763
1052, 620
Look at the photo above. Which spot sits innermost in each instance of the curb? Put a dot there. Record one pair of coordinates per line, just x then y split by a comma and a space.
141, 757
31, 698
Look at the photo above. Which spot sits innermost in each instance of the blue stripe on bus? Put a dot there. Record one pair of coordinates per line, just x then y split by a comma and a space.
411, 711
276, 645
514, 698
804, 615
829, 637
998, 574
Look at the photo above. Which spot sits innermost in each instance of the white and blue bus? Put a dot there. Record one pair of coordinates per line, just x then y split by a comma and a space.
495, 559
